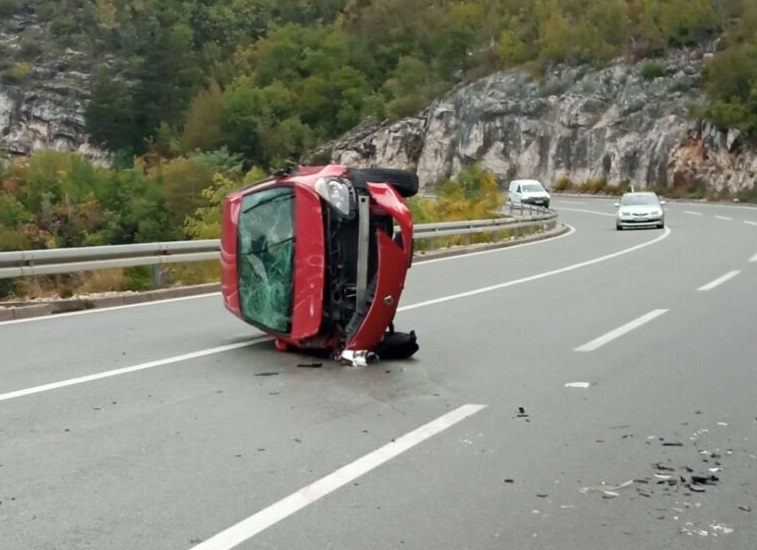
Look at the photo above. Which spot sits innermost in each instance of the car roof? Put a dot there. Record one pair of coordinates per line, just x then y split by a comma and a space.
640, 194
526, 181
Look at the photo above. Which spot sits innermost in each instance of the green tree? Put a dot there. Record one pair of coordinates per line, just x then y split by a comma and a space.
111, 114
203, 127
182, 181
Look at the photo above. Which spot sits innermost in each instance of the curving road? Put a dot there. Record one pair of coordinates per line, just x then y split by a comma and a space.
592, 391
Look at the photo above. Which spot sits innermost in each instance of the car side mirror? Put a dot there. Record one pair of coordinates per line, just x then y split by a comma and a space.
617, 204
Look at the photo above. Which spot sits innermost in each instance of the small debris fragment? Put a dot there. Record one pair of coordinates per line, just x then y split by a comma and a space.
267, 374
509, 480
609, 491
672, 444
542, 495
310, 365
582, 385
522, 413
745, 508
722, 423
297, 440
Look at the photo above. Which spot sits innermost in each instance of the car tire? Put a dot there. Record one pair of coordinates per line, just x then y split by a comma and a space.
397, 345
661, 226
618, 227
403, 181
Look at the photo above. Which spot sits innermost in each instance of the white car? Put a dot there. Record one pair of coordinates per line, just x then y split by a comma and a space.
527, 192
639, 209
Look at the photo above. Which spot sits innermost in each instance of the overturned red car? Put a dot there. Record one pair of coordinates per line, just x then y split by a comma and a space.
316, 256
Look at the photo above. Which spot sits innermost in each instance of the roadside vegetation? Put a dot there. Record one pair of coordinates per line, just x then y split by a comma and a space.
56, 199
601, 186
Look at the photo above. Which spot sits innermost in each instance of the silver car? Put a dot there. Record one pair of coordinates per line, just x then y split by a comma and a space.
639, 209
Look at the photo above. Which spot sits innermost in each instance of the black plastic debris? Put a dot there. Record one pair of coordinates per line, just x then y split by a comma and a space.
672, 444
522, 413
705, 480
310, 365
745, 508
509, 480
542, 495
267, 374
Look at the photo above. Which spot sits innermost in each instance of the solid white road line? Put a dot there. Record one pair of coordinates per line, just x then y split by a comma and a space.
248, 528
748, 222
538, 276
692, 212
114, 308
620, 331
419, 262
726, 218
126, 370
720, 280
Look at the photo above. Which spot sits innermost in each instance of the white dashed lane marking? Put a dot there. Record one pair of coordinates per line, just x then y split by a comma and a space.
720, 280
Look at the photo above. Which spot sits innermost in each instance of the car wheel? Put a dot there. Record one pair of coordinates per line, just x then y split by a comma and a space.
661, 226
404, 182
397, 345
618, 227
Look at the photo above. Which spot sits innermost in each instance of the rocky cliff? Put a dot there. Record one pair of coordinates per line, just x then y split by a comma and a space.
626, 123
41, 102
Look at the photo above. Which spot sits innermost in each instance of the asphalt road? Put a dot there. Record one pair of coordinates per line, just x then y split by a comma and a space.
593, 391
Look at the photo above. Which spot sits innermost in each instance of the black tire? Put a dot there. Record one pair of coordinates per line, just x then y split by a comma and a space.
404, 182
397, 345
618, 227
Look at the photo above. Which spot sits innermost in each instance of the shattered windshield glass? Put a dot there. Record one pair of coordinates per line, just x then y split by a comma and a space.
266, 257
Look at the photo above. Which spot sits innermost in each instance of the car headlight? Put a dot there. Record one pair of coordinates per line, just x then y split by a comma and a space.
657, 212
622, 213
337, 193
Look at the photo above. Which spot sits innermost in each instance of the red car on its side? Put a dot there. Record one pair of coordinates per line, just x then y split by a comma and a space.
316, 256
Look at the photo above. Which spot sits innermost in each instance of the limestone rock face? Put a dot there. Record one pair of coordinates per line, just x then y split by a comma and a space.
614, 123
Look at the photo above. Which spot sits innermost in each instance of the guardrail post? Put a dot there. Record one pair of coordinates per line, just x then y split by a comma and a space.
156, 275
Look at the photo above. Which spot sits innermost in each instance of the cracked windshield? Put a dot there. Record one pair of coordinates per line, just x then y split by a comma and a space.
266, 257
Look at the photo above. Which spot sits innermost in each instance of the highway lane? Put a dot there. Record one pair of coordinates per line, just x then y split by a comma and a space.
151, 458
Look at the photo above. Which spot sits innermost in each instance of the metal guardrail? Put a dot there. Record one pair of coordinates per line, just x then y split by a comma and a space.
68, 260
